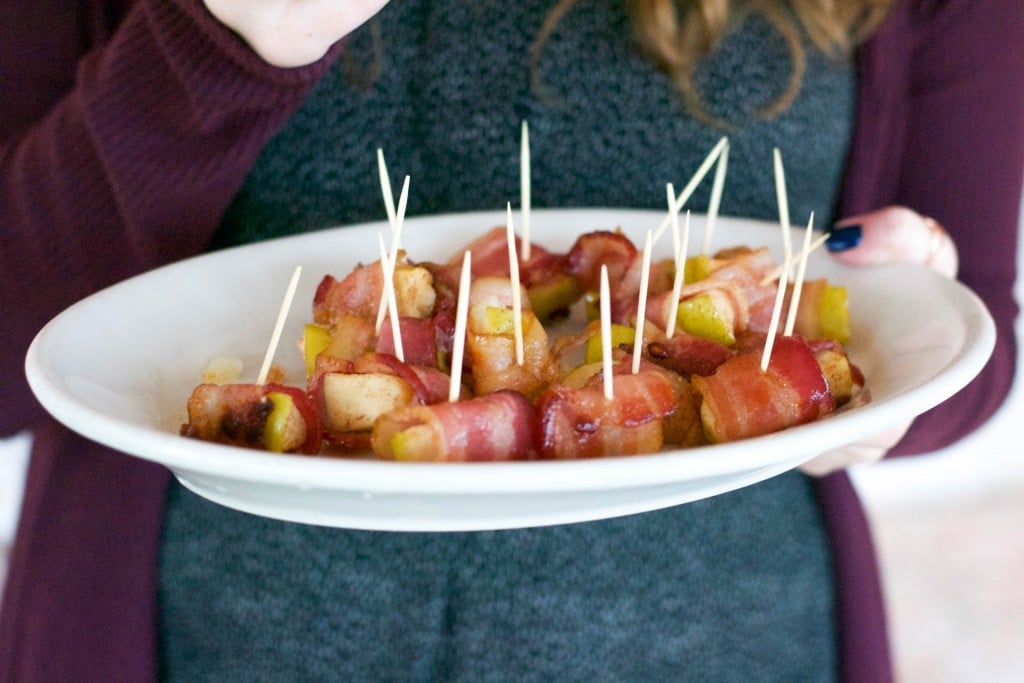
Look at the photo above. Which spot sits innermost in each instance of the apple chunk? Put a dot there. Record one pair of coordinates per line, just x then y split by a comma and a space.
708, 315
353, 401
285, 429
414, 291
835, 367
417, 443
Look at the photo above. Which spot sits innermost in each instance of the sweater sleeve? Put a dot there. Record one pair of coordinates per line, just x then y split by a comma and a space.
132, 167
941, 130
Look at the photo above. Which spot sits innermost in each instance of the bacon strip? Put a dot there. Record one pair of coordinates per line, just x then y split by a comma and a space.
490, 258
614, 250
358, 293
683, 426
544, 275
739, 401
582, 423
499, 426
744, 266
601, 247
490, 253
419, 340
388, 364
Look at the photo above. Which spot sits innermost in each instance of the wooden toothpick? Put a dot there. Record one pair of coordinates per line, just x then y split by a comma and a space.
606, 334
783, 200
388, 269
677, 282
787, 255
396, 245
385, 187
517, 300
684, 196
461, 316
641, 305
798, 283
275, 337
814, 246
673, 215
716, 199
773, 327
524, 188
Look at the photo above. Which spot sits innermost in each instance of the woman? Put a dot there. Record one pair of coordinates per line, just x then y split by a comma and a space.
175, 135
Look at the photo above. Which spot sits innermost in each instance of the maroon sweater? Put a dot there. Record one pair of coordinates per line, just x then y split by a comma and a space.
127, 128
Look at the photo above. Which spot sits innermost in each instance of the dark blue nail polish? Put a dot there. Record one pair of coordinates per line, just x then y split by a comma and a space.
841, 239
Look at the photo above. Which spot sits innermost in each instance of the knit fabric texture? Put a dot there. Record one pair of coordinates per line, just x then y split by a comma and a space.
736, 587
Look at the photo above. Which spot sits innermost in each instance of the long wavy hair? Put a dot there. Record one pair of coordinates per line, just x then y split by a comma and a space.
676, 34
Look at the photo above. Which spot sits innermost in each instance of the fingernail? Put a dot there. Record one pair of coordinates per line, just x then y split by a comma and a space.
841, 239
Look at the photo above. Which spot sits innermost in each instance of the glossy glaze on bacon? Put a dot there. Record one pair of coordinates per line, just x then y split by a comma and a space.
601, 248
624, 261
544, 275
583, 423
687, 354
419, 340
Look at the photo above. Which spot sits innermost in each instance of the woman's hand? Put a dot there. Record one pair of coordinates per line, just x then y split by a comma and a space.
292, 33
889, 235
895, 234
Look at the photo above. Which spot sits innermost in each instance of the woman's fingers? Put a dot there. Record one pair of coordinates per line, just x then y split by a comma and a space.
894, 234
890, 235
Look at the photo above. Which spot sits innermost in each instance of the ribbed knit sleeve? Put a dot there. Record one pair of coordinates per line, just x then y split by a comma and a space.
941, 130
132, 167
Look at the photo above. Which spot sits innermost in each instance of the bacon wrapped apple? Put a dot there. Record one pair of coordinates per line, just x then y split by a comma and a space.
490, 343
499, 426
269, 417
359, 292
583, 423
740, 400
350, 395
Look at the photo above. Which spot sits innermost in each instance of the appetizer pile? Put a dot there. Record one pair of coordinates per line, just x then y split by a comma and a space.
696, 375
470, 359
